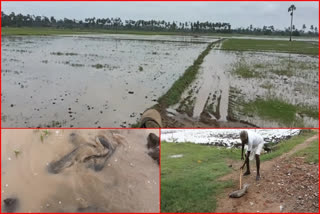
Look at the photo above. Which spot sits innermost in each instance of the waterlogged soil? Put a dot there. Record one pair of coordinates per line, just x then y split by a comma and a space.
219, 94
89, 81
128, 182
291, 78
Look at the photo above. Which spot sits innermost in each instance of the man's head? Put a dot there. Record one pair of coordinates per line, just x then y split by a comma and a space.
244, 137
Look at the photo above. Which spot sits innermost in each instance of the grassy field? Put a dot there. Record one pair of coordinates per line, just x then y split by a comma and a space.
45, 31
190, 183
299, 47
59, 31
278, 110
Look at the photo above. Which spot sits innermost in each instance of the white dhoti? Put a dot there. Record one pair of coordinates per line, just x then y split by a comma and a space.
255, 150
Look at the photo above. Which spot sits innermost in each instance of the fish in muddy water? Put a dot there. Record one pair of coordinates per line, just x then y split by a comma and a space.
106, 171
10, 205
94, 154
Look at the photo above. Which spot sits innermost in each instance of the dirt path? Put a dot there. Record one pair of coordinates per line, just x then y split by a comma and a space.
286, 185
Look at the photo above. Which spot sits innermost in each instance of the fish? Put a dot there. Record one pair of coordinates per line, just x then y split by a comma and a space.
93, 155
239, 193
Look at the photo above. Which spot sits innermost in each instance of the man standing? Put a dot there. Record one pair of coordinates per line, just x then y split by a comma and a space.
255, 144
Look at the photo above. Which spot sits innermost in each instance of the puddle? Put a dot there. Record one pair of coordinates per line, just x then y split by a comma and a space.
106, 81
128, 182
176, 156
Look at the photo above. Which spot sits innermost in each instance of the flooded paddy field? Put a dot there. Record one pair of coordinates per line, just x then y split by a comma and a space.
246, 88
223, 137
79, 171
89, 80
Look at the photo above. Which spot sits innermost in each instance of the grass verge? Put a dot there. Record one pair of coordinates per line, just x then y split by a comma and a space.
287, 145
173, 95
191, 183
299, 47
311, 153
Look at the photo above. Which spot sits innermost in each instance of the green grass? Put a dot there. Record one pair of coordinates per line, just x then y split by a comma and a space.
173, 95
59, 31
188, 183
278, 110
287, 145
311, 153
299, 47
46, 31
191, 183
243, 69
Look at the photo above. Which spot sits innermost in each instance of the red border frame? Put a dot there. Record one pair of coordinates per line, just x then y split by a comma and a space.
162, 128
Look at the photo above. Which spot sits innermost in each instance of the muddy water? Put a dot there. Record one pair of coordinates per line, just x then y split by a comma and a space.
298, 88
129, 182
89, 81
214, 86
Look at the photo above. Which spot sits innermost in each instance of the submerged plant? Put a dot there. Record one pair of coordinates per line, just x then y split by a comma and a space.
16, 152
44, 134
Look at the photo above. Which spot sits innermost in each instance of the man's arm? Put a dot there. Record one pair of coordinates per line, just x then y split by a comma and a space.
242, 151
246, 160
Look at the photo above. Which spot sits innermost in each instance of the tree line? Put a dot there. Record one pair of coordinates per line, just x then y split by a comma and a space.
20, 20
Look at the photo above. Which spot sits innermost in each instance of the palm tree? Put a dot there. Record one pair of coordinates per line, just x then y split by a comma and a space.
291, 9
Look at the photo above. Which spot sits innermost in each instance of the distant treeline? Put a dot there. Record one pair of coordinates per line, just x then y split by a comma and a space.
20, 20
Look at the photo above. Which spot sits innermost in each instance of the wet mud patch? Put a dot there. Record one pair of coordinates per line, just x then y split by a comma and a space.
80, 170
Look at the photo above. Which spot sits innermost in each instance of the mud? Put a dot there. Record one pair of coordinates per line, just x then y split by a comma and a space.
89, 81
127, 182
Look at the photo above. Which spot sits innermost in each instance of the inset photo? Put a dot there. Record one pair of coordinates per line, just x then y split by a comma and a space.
239, 171
66, 170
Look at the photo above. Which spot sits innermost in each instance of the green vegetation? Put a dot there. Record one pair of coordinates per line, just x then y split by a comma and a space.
98, 66
140, 68
191, 183
61, 54
243, 69
311, 153
278, 110
44, 134
286, 145
188, 183
299, 47
173, 95
47, 31
16, 153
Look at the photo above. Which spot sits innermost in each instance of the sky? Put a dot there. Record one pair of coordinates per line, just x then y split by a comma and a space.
238, 14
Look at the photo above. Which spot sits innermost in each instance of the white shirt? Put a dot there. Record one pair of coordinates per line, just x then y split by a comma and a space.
254, 140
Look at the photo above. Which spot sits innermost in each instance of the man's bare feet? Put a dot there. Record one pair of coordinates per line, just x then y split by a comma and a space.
246, 173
